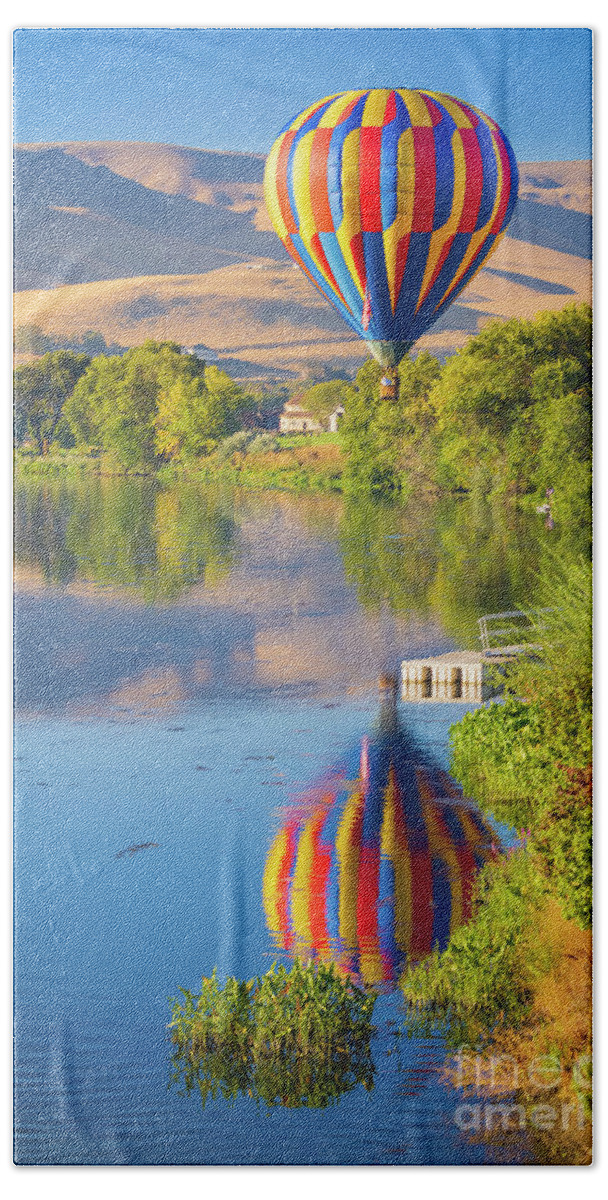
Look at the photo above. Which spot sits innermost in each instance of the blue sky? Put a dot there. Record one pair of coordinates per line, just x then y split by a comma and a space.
235, 89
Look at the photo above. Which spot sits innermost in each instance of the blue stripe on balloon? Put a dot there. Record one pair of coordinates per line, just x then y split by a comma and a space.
410, 287
483, 251
342, 276
442, 904
381, 323
428, 311
444, 165
386, 909
450, 816
331, 824
490, 174
388, 166
374, 794
354, 322
332, 898
514, 183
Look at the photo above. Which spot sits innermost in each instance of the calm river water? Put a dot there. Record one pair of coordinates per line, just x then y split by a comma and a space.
187, 662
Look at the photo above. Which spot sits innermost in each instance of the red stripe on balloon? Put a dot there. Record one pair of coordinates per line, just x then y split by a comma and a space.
424, 180
370, 145
321, 864
317, 181
367, 897
403, 246
283, 879
473, 181
281, 181
434, 110
422, 903
390, 111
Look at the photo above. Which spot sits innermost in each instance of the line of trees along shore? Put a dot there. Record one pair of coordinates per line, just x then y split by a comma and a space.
508, 414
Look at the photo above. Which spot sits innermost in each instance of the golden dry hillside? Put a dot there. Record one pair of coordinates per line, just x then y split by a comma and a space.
139, 240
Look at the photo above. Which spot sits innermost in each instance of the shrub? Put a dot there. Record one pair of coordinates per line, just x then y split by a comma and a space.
235, 444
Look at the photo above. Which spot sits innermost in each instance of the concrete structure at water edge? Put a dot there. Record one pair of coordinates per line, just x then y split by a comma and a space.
465, 675
473, 676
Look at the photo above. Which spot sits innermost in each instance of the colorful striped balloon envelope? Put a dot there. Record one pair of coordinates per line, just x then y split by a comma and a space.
374, 871
390, 200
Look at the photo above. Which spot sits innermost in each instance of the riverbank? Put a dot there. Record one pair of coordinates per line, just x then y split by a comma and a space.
514, 985
304, 464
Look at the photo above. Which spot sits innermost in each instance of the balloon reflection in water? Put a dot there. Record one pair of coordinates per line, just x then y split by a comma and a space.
376, 866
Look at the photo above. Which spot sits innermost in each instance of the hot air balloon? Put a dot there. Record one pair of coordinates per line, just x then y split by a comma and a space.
376, 866
390, 200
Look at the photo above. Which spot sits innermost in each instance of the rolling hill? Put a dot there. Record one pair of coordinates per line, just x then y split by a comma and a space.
142, 240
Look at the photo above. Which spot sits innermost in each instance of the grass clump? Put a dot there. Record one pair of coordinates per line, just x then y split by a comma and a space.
297, 1037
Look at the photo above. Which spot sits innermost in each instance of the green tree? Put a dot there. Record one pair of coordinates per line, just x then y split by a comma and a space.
382, 437
150, 403
322, 398
195, 413
486, 394
41, 390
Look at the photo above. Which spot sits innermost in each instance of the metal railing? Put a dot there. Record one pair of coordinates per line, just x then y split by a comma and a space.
513, 630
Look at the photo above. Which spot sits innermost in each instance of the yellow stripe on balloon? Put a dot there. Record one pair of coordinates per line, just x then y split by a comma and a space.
484, 117
402, 225
300, 177
332, 116
375, 107
300, 120
371, 967
271, 195
440, 236
396, 849
477, 239
347, 852
417, 109
350, 225
270, 882
300, 888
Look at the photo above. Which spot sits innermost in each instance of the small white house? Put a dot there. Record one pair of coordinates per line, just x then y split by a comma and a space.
296, 419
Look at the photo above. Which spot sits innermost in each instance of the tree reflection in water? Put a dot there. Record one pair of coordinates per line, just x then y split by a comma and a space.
124, 532
376, 866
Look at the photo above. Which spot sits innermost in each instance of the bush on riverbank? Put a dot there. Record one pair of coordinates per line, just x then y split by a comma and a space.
260, 460
297, 1037
528, 761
